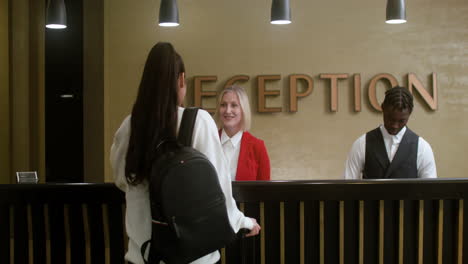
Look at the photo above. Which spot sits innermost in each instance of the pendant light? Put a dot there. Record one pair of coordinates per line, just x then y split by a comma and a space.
396, 12
280, 12
56, 14
168, 13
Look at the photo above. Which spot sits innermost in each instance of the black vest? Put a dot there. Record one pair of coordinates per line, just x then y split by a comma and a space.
403, 165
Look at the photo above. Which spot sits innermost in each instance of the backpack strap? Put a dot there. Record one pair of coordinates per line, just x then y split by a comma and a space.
185, 138
186, 127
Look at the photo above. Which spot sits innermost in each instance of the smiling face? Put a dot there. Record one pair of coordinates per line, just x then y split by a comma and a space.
395, 119
230, 113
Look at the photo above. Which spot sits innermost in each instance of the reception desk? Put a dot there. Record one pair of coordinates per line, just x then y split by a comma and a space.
378, 221
373, 221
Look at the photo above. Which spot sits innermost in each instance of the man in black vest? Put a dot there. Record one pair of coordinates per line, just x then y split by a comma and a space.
392, 150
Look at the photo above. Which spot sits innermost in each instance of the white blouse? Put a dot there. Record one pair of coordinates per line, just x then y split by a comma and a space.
231, 149
138, 211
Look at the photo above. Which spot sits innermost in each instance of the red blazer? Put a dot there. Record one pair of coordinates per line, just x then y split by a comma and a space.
254, 163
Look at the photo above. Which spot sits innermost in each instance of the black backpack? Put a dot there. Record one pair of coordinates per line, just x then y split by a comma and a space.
188, 208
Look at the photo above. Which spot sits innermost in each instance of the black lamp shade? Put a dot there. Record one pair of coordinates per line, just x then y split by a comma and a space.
56, 14
280, 12
396, 11
168, 13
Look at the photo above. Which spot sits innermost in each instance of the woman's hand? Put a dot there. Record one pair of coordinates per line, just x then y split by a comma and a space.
255, 230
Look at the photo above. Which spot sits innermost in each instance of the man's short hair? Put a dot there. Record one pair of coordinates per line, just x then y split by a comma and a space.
398, 98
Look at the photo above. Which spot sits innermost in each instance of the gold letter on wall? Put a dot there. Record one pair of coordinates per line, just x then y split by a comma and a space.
199, 93
235, 79
372, 93
262, 93
414, 81
293, 94
334, 88
357, 92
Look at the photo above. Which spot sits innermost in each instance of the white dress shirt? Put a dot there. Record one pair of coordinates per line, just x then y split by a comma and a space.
425, 162
231, 148
138, 212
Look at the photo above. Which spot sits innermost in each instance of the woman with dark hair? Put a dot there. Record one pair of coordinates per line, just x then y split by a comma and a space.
156, 115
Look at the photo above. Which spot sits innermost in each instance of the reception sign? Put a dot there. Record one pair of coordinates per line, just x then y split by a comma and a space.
414, 85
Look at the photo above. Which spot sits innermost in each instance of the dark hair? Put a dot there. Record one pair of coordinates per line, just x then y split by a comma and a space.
154, 114
398, 98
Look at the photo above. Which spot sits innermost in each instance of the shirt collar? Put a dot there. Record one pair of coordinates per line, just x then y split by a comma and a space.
395, 138
235, 140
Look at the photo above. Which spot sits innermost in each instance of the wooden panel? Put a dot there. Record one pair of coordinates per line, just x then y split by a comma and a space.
4, 233
312, 232
21, 251
341, 222
57, 233
291, 232
50, 243
387, 189
5, 98
390, 232
371, 232
463, 256
449, 234
331, 231
116, 237
38, 233
252, 244
77, 238
410, 232
96, 233
233, 249
272, 232
351, 232
430, 231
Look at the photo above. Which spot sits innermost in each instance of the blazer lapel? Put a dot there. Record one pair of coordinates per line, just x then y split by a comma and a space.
242, 155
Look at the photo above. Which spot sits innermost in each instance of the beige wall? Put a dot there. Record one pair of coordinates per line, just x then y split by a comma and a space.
4, 96
19, 86
25, 87
37, 86
93, 91
225, 38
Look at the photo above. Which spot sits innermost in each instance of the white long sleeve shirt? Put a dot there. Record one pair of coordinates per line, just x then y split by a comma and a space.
425, 162
138, 212
231, 149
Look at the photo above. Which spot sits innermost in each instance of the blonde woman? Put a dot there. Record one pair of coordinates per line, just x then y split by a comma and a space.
246, 155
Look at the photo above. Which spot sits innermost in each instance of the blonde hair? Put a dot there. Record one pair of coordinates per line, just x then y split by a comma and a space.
244, 104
